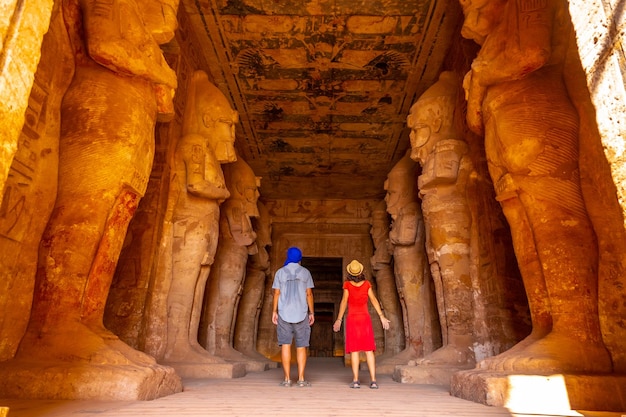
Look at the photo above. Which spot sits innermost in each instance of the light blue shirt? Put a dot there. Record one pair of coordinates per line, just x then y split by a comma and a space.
292, 280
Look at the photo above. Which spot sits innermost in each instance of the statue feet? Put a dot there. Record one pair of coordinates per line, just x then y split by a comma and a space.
452, 355
554, 353
253, 354
403, 357
76, 342
84, 363
231, 354
188, 352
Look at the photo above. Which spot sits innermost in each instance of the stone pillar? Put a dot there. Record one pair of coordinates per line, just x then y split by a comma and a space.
382, 269
108, 116
446, 168
257, 273
236, 243
411, 269
196, 192
518, 100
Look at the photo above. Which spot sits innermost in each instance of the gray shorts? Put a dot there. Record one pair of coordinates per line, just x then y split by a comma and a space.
286, 332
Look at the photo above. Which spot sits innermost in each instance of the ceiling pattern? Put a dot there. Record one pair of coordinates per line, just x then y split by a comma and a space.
322, 87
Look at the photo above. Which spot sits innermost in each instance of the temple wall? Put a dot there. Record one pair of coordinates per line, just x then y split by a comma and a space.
596, 77
30, 187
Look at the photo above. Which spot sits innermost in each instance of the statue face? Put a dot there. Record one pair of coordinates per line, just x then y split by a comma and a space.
392, 198
222, 135
251, 194
419, 122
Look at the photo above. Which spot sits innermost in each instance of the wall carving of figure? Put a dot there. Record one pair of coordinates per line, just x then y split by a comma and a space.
197, 190
516, 97
236, 242
257, 272
438, 147
382, 269
121, 84
411, 269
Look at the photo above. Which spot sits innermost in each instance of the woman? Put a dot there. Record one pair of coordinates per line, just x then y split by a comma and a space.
359, 331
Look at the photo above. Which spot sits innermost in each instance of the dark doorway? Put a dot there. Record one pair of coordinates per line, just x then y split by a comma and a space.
328, 281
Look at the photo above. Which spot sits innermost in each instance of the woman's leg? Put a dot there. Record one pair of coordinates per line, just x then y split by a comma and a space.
354, 359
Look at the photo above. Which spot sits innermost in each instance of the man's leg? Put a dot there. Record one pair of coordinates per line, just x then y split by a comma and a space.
301, 359
285, 354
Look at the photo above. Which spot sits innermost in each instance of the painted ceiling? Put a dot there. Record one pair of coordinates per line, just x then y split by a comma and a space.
323, 87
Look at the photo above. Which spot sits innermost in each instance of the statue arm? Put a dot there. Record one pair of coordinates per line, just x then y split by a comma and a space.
508, 54
239, 225
520, 45
117, 39
405, 227
195, 171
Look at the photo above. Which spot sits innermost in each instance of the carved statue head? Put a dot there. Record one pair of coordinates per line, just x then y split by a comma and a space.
243, 185
209, 113
401, 185
432, 116
160, 18
481, 16
380, 235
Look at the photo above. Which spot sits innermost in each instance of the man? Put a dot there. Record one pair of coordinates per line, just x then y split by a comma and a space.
293, 297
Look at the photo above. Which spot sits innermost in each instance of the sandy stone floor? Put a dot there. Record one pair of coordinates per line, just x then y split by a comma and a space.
258, 395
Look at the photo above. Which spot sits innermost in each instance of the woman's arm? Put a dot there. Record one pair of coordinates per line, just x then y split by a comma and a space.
383, 320
342, 309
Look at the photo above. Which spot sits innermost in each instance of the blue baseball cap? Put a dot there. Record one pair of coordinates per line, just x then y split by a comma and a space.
293, 255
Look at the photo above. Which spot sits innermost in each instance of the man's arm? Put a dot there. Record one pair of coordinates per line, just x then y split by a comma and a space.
309, 301
275, 306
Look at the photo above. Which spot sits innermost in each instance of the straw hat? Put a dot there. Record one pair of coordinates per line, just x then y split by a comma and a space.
354, 268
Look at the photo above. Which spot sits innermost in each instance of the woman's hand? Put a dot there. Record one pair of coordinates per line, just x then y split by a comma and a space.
385, 322
337, 325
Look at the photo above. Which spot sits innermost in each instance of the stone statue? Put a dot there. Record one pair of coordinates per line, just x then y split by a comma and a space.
236, 243
446, 166
516, 97
121, 83
257, 272
410, 262
382, 270
197, 190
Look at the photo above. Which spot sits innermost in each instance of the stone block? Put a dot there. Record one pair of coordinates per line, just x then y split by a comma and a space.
195, 370
425, 374
541, 394
79, 381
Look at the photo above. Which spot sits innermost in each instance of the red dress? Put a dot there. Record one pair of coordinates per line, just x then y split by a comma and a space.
359, 330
